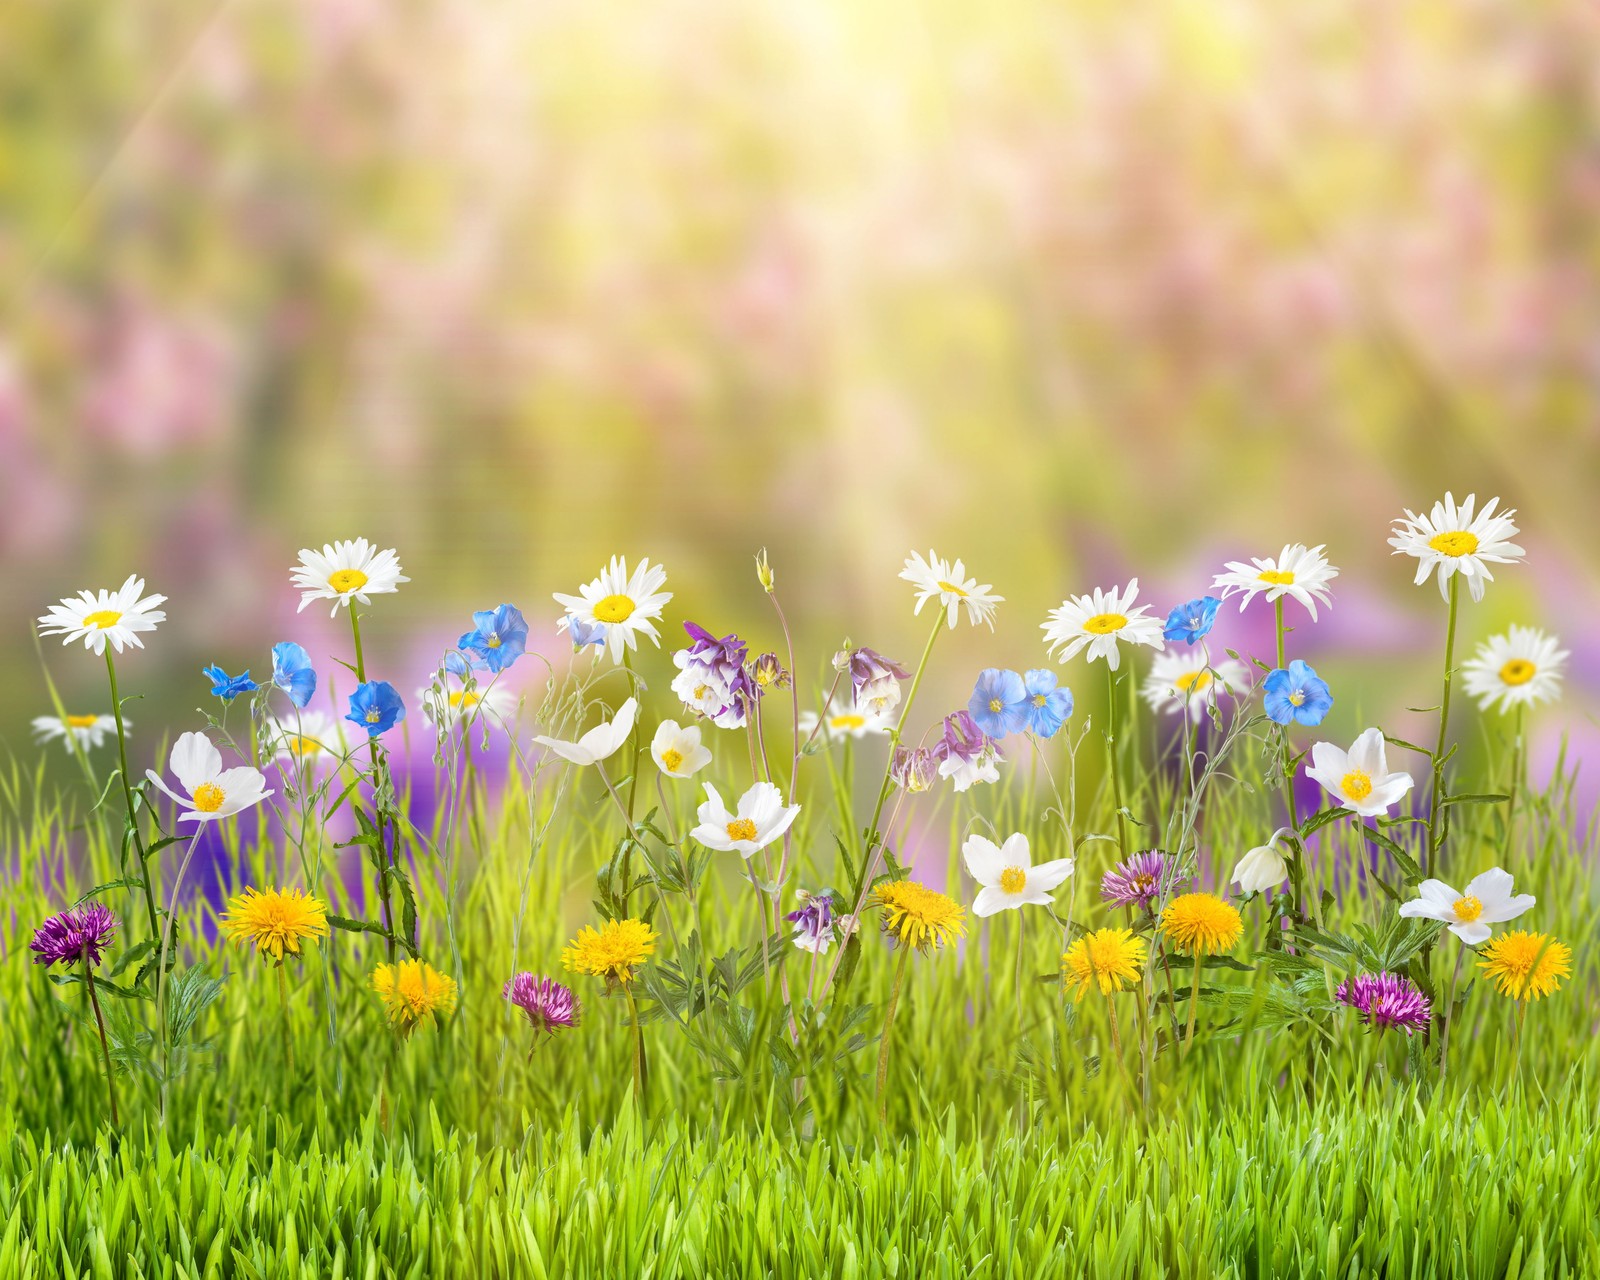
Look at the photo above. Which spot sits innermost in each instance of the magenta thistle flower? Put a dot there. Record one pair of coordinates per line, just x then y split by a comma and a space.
550, 1006
1139, 881
1386, 1000
79, 933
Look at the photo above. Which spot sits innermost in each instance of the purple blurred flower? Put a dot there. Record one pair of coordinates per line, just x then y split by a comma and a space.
767, 672
913, 769
712, 680
73, 935
876, 680
813, 922
550, 1006
1139, 881
965, 753
1386, 1000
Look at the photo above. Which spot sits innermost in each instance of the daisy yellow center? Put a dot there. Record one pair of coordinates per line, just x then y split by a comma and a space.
343, 580
671, 760
105, 619
1517, 671
1013, 880
1455, 543
1193, 681
1103, 624
208, 797
1357, 784
614, 609
1467, 909
81, 722
301, 745
848, 721
464, 698
951, 588
741, 829
1276, 577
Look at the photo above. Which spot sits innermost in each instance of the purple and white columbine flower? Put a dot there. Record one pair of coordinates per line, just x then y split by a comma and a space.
550, 1006
913, 769
1386, 1000
80, 933
876, 680
712, 680
813, 922
1139, 881
966, 754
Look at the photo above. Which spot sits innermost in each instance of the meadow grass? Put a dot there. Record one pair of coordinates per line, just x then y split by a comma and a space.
313, 1141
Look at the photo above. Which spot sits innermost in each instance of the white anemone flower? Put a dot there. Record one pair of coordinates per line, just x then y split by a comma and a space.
1519, 668
1102, 621
677, 749
346, 571
1359, 779
1182, 678
1300, 572
761, 818
214, 792
76, 732
845, 719
1453, 540
600, 742
1486, 900
948, 582
101, 617
1007, 875
625, 603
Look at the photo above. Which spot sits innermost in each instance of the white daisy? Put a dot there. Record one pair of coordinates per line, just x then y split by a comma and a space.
346, 571
949, 582
1359, 779
1454, 540
845, 719
677, 749
96, 617
1007, 874
1521, 667
1100, 620
1188, 677
601, 741
761, 818
1300, 572
447, 707
214, 792
84, 731
1487, 900
624, 604
308, 739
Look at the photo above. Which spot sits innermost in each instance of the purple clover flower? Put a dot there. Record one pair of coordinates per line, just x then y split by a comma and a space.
550, 1006
75, 934
1386, 1000
1139, 881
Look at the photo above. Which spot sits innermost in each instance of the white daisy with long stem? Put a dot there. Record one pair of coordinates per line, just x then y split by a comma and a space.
1359, 779
627, 605
344, 572
76, 732
1487, 900
1102, 622
846, 719
214, 793
99, 618
1007, 875
1188, 678
1454, 539
947, 582
1298, 572
1521, 668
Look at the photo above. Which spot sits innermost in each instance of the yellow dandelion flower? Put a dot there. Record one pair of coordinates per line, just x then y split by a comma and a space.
920, 916
1201, 924
1108, 958
1525, 966
413, 993
613, 951
275, 921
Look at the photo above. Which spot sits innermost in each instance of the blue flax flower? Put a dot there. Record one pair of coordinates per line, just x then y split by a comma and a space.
291, 672
999, 702
583, 634
228, 687
377, 707
497, 639
1048, 705
1192, 622
1295, 694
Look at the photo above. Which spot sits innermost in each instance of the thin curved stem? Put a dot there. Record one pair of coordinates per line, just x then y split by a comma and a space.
1436, 817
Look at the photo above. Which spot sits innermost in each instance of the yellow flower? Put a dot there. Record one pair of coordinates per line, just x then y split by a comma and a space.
276, 921
920, 916
1525, 966
413, 993
612, 951
1201, 924
1109, 958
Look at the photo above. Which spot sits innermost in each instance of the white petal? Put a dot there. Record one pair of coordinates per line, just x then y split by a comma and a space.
991, 899
194, 760
984, 860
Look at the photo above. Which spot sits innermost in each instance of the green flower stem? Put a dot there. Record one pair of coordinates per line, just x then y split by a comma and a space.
1436, 817
1283, 730
127, 795
288, 1037
638, 1047
376, 752
1111, 761
100, 1026
888, 1026
1516, 780
1194, 1001
1449, 1009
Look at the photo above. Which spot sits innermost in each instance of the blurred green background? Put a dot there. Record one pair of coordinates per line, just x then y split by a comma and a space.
1074, 292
